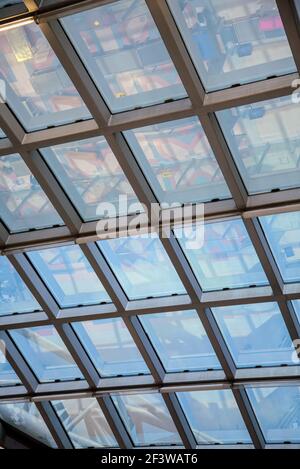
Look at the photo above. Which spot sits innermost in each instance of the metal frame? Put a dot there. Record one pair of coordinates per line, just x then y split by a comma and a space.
14, 246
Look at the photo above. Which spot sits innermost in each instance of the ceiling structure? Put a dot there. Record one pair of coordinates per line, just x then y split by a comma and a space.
139, 341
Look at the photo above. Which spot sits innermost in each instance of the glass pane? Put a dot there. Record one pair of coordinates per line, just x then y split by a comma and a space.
178, 161
142, 266
2, 134
69, 276
283, 234
256, 334
90, 174
111, 347
296, 305
233, 41
5, 3
214, 417
26, 418
125, 55
180, 341
37, 88
7, 375
264, 139
226, 258
147, 419
278, 413
46, 354
15, 297
24, 205
85, 423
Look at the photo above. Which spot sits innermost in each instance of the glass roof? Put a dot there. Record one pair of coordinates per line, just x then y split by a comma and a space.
142, 266
111, 347
283, 234
178, 161
2, 134
226, 259
264, 139
277, 411
180, 341
296, 305
232, 41
91, 177
214, 417
7, 375
24, 205
84, 423
69, 276
246, 330
125, 55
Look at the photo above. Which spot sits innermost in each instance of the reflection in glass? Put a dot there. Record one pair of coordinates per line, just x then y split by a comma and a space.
26, 418
256, 334
214, 417
283, 234
296, 305
178, 161
111, 347
225, 257
85, 423
142, 266
46, 353
90, 174
24, 205
121, 47
38, 89
147, 419
2, 134
233, 41
69, 276
7, 375
15, 297
180, 341
278, 413
264, 139
5, 3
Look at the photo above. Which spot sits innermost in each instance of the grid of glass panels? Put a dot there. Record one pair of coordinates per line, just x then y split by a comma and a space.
69, 276
92, 178
38, 89
264, 139
178, 161
85, 423
221, 255
111, 347
255, 334
24, 205
214, 417
180, 341
125, 55
233, 42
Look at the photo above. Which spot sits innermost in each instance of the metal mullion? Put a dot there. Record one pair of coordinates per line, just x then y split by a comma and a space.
290, 319
249, 418
19, 321
179, 420
4, 235
115, 422
10, 125
54, 425
290, 21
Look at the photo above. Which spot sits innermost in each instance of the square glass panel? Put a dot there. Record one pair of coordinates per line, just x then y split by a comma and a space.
232, 41
214, 417
2, 134
255, 334
92, 178
142, 266
111, 347
8, 376
283, 234
69, 276
85, 423
15, 297
180, 341
147, 419
296, 305
121, 48
46, 354
225, 259
23, 204
264, 139
178, 161
38, 89
278, 412
27, 419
